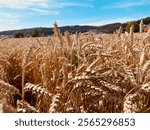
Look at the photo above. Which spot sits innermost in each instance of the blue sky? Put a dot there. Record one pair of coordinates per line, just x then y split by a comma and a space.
17, 14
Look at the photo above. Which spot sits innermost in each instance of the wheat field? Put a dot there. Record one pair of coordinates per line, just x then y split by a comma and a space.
79, 73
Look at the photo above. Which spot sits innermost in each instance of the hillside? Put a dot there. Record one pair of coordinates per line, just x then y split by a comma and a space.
72, 29
109, 28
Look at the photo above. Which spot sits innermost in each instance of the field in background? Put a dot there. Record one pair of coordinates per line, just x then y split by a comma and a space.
76, 73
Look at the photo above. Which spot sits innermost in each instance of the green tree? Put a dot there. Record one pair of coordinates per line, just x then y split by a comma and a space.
136, 26
18, 35
35, 33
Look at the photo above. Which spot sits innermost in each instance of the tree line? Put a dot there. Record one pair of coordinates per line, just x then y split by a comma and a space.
35, 33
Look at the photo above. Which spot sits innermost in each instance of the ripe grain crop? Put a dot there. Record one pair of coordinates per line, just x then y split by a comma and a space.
82, 72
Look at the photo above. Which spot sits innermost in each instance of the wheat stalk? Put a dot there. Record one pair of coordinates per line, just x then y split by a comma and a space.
24, 107
37, 89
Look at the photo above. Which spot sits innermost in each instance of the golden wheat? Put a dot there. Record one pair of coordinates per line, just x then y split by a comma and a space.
80, 72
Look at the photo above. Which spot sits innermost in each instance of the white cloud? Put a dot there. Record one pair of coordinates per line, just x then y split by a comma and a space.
9, 15
8, 23
43, 7
126, 4
8, 20
45, 12
108, 21
21, 4
76, 4
25, 7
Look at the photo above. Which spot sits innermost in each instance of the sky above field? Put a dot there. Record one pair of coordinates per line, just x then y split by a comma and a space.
18, 14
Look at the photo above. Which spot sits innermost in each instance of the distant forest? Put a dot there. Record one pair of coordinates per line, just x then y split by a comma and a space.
109, 28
